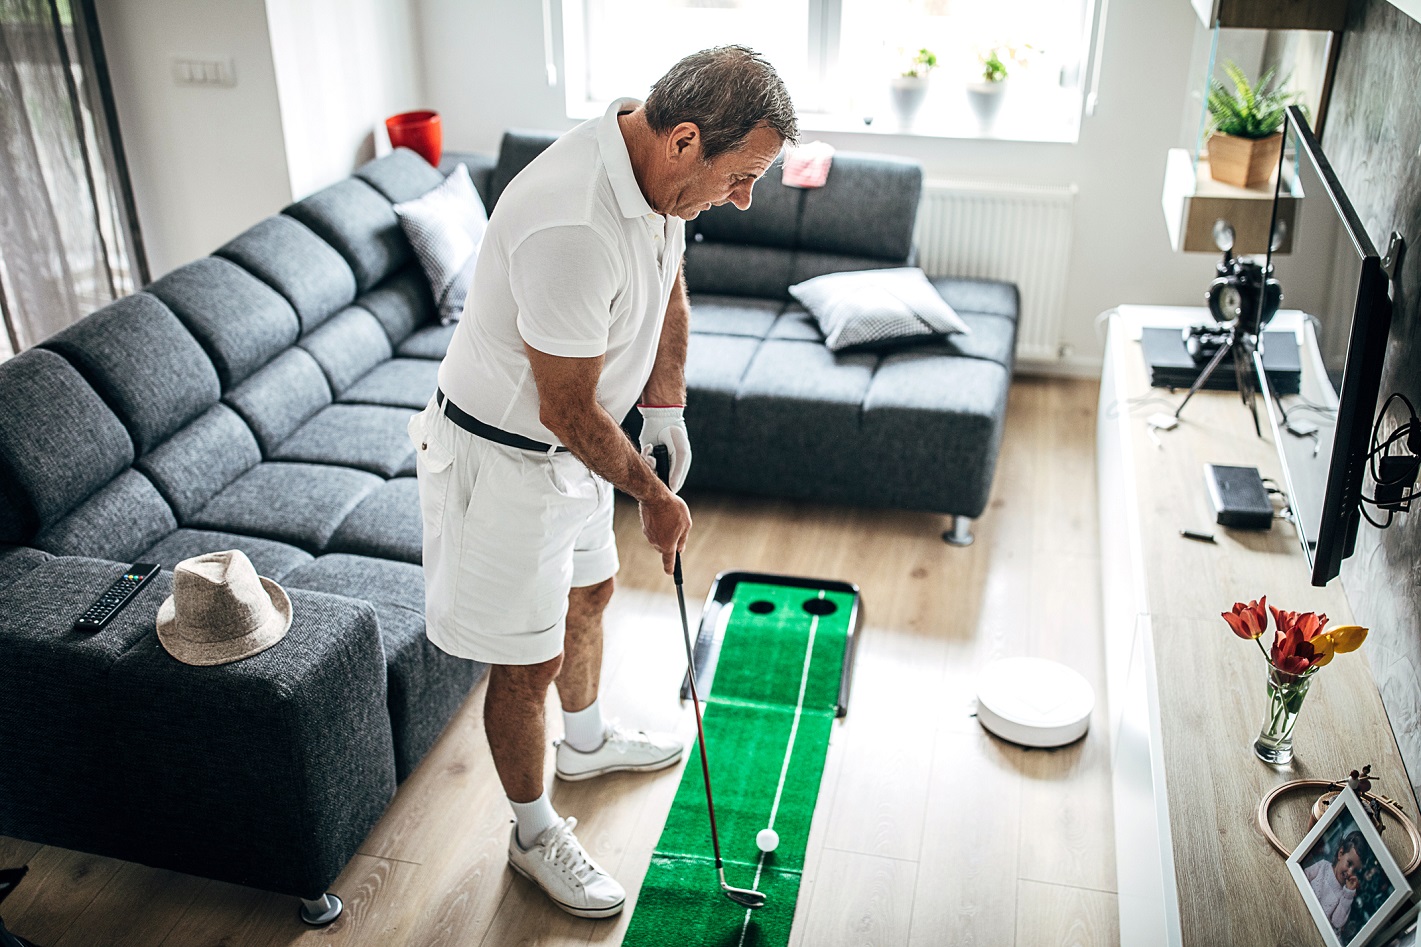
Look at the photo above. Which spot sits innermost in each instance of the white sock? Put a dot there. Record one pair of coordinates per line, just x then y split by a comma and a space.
533, 817
584, 730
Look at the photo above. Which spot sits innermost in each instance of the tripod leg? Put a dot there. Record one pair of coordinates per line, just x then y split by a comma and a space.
1204, 375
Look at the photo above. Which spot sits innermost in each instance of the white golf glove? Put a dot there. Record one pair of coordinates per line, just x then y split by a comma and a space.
667, 425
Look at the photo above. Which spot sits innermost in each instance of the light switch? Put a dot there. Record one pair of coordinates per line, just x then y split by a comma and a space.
219, 73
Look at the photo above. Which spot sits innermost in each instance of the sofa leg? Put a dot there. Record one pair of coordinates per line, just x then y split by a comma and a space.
961, 532
321, 911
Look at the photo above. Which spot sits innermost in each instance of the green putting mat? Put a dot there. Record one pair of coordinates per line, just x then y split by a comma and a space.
775, 691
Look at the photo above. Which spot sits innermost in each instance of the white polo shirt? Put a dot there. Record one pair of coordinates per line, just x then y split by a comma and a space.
577, 264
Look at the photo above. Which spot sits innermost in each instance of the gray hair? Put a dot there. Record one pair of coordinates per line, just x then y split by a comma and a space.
727, 92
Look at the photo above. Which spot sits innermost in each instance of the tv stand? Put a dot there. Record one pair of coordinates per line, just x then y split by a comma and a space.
1186, 696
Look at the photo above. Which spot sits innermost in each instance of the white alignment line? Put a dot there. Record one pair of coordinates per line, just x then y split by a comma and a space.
789, 751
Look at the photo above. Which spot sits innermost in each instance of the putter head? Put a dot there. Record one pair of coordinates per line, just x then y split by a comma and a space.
745, 897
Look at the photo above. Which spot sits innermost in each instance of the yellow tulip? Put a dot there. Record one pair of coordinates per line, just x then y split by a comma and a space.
1347, 637
1323, 648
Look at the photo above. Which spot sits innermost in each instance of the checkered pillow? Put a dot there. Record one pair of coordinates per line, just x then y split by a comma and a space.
868, 310
445, 227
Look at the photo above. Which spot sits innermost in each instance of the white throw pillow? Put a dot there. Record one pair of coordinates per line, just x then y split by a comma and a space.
867, 310
446, 227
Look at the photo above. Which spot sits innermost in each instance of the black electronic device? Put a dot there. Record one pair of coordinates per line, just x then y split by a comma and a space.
116, 596
1334, 274
1166, 353
1239, 497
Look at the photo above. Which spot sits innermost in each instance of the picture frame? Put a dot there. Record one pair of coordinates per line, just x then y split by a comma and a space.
1351, 883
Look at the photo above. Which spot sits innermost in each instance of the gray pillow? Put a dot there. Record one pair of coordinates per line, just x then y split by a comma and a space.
445, 227
868, 310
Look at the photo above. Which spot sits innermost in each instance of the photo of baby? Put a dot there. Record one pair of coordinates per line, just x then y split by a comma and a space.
1346, 878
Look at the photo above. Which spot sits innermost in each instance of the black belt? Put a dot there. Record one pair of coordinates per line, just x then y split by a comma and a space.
490, 433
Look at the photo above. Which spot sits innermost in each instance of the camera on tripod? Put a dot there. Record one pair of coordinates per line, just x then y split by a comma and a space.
1243, 298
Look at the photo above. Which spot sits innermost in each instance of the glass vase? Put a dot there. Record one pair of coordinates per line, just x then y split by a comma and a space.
1285, 698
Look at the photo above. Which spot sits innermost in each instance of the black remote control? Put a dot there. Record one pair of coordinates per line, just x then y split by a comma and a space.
118, 595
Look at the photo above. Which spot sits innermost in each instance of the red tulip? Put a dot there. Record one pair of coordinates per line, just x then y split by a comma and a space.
1248, 621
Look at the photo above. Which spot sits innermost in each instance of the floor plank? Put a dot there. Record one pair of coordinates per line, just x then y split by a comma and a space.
927, 832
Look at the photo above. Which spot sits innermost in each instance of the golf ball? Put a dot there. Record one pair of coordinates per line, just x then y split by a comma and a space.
768, 840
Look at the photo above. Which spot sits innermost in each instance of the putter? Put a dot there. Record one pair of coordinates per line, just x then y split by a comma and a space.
745, 897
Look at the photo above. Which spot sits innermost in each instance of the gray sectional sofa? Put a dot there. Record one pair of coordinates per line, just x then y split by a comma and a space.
257, 399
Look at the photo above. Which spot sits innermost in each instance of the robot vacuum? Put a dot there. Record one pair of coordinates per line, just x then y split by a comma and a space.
1034, 702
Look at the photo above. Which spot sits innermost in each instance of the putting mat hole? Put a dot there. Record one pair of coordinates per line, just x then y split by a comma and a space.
761, 607
820, 606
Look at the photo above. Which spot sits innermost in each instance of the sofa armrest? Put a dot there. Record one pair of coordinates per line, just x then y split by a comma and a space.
268, 771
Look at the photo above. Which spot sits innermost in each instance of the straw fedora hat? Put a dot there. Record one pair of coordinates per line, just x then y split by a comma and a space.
221, 610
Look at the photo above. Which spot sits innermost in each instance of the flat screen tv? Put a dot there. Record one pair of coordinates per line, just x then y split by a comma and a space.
1333, 273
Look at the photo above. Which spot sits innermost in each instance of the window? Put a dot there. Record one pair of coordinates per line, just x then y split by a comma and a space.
839, 57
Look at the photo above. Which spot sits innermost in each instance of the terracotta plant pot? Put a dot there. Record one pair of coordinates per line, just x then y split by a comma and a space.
1243, 162
418, 131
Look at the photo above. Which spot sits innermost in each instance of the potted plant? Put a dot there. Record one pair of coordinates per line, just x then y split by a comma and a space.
985, 94
910, 88
1245, 140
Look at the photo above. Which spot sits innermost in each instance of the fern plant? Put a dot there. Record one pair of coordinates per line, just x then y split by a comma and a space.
1248, 111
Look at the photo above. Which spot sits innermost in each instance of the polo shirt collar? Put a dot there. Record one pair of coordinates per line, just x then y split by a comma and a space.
618, 163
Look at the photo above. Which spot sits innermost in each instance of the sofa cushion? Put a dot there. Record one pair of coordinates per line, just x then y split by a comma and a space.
59, 442
281, 397
809, 264
874, 310
360, 223
480, 167
363, 436
400, 175
867, 208
734, 269
986, 297
432, 342
796, 323
514, 152
15, 561
386, 524
939, 413
125, 517
425, 686
240, 321
144, 364
300, 504
270, 558
446, 228
348, 346
402, 304
993, 338
715, 367
299, 265
400, 382
198, 461
734, 315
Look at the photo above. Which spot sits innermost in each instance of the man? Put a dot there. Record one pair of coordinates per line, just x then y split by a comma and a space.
578, 311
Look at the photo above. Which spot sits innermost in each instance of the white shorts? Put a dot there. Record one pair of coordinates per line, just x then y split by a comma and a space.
507, 533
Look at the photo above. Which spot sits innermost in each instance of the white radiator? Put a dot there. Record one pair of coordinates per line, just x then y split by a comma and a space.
1020, 233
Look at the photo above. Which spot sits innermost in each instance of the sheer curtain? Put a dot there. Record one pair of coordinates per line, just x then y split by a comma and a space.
69, 238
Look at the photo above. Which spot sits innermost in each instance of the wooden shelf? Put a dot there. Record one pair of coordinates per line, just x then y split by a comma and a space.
1193, 201
1273, 14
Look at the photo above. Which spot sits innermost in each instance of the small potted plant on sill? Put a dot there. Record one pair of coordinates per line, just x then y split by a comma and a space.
990, 85
1245, 140
910, 88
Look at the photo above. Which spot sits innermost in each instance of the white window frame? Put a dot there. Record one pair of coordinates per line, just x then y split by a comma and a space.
564, 29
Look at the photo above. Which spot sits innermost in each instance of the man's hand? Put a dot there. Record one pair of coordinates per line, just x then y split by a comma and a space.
666, 424
665, 522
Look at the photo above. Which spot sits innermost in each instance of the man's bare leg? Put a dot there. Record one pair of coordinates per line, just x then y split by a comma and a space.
580, 678
513, 721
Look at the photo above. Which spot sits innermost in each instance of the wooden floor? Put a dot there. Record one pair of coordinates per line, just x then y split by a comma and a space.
927, 832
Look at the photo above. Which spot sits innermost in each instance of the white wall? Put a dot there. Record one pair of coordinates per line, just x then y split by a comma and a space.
342, 67
206, 162
484, 72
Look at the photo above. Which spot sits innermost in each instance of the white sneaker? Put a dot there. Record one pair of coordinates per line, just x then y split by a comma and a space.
634, 751
558, 864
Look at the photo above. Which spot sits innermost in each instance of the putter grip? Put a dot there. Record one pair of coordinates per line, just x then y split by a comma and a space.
661, 456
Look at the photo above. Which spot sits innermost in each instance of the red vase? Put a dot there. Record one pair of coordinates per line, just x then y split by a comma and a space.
418, 131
